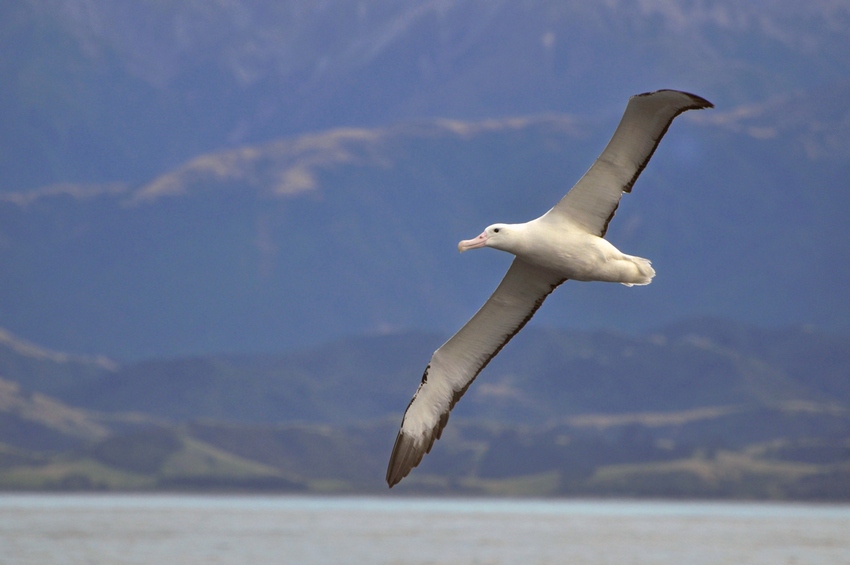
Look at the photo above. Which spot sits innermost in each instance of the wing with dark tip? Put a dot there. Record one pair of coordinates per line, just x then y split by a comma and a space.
457, 362
591, 203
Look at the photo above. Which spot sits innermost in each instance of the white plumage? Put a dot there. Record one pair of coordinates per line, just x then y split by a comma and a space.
564, 243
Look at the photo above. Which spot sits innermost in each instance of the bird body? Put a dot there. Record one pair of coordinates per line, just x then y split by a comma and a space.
565, 249
567, 242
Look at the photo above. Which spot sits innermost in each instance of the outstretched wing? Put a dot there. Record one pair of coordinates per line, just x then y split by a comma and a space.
591, 203
457, 362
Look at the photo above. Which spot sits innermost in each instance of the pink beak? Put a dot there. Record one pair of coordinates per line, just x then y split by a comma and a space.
479, 241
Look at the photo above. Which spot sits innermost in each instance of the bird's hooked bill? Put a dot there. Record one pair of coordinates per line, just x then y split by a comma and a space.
479, 241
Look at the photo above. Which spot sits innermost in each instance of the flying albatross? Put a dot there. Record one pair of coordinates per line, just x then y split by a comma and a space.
564, 243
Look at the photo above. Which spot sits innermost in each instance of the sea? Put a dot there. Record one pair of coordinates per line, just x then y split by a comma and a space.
110, 529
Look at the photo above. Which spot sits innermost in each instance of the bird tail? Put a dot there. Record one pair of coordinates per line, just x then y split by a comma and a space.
644, 271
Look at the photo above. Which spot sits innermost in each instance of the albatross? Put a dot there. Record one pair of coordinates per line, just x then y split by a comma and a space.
567, 242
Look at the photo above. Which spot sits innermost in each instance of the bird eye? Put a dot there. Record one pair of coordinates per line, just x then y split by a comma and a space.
496, 230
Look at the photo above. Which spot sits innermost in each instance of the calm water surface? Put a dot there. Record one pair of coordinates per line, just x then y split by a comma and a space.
161, 529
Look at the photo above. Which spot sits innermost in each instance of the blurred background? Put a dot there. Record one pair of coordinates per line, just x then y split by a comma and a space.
228, 244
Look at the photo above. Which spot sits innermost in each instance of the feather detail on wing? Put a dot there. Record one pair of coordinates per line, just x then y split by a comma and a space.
591, 203
457, 362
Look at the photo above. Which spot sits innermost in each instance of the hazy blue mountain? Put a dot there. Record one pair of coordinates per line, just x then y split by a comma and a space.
703, 408
783, 452
303, 240
253, 207
175, 180
37, 368
544, 376
121, 91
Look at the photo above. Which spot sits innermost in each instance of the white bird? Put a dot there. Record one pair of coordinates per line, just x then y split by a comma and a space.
564, 243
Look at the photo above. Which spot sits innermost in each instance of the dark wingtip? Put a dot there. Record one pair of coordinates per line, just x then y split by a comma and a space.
699, 102
404, 458
408, 453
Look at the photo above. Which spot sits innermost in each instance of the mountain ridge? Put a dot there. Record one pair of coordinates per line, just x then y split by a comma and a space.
281, 245
101, 93
228, 233
701, 408
546, 375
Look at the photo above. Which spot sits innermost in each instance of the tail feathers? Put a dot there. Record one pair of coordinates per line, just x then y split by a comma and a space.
644, 271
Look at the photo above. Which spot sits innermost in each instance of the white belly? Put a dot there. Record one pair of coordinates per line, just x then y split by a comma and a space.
581, 256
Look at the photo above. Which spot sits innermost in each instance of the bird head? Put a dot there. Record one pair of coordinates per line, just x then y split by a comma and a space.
497, 236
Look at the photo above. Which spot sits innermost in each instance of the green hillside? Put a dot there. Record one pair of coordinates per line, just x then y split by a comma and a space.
704, 408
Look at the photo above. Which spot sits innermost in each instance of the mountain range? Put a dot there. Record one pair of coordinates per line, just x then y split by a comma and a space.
705, 408
542, 376
104, 91
261, 176
228, 233
305, 240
